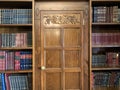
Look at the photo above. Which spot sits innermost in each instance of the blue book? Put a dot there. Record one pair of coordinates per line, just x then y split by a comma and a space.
3, 81
22, 60
0, 82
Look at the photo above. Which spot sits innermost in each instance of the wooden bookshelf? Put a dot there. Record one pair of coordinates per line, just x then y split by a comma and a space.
16, 21
105, 25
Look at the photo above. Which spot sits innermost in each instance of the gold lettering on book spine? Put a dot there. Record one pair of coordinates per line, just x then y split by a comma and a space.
61, 19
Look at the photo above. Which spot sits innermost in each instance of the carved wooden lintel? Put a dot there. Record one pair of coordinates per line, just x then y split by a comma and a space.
61, 19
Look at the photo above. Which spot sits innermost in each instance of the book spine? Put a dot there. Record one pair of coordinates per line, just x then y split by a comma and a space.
3, 81
17, 60
7, 82
29, 39
0, 16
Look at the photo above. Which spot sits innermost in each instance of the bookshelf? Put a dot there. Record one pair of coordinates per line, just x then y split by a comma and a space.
16, 44
104, 44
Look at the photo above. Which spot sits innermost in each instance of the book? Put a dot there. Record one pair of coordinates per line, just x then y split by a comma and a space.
3, 81
0, 82
7, 81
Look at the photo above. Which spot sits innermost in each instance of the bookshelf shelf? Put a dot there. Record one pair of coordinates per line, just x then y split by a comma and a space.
17, 0
105, 24
17, 48
15, 24
105, 0
107, 87
17, 71
105, 68
98, 46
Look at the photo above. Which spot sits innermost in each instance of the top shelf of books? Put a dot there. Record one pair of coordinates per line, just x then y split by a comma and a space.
106, 14
17, 12
15, 16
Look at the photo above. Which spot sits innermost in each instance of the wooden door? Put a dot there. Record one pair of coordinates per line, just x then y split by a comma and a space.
61, 50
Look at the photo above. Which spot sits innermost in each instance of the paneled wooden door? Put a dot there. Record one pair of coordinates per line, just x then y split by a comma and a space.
61, 50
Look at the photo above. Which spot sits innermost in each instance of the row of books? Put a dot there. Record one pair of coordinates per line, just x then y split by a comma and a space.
105, 38
16, 39
107, 79
14, 82
15, 16
15, 60
111, 59
106, 14
98, 60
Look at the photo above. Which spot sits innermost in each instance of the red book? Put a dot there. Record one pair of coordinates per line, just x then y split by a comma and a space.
3, 60
109, 38
21, 39
105, 40
109, 59
17, 40
17, 60
93, 39
117, 59
118, 38
7, 81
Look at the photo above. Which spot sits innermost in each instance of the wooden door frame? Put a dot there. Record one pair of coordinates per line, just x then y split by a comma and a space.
82, 6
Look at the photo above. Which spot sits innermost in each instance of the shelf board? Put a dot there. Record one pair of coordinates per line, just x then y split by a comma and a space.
105, 23
105, 68
15, 24
105, 0
17, 71
17, 0
15, 48
98, 87
94, 46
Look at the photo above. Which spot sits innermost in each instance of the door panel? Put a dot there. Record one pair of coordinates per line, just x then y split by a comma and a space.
53, 81
52, 37
72, 37
72, 81
72, 58
53, 58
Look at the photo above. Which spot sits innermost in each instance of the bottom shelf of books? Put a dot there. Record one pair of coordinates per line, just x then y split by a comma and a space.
106, 80
15, 81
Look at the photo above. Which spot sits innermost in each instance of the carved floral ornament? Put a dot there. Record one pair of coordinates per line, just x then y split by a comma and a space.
61, 19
